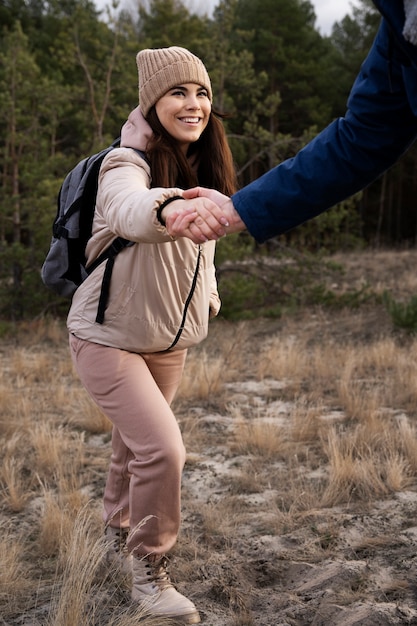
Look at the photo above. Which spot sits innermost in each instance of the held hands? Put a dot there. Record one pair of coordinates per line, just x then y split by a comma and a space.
202, 215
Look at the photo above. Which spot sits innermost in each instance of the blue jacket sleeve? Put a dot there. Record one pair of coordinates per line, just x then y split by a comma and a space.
345, 157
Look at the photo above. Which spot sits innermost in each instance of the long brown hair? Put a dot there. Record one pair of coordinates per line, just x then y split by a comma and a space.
171, 168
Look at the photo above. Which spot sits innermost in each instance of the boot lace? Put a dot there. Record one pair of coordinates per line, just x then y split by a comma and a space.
119, 541
157, 571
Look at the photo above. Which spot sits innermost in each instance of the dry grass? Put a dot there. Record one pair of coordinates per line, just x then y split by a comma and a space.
13, 573
87, 415
302, 461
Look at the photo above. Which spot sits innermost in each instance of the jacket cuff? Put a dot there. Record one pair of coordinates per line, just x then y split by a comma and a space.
162, 207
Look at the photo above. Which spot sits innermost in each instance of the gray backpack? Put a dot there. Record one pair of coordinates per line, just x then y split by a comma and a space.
64, 268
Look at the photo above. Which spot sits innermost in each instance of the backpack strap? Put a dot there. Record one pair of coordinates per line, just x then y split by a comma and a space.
105, 288
110, 254
112, 251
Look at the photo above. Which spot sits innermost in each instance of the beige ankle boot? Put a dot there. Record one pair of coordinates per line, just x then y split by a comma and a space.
152, 587
117, 554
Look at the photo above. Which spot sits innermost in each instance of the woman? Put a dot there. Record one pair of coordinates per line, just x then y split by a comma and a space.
162, 293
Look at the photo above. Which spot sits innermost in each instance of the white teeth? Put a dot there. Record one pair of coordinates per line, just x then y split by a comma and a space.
191, 120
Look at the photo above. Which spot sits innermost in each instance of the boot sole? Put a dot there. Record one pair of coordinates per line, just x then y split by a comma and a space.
179, 620
193, 618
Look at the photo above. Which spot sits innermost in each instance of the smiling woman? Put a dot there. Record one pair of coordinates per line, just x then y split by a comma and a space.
184, 112
162, 293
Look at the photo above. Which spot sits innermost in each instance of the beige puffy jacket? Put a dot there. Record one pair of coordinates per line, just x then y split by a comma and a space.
149, 306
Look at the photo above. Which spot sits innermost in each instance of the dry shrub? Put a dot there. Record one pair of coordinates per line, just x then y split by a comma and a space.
43, 330
134, 616
56, 449
87, 415
381, 374
220, 519
397, 471
76, 597
203, 377
365, 463
283, 358
14, 489
249, 479
306, 424
324, 360
381, 356
69, 480
28, 367
401, 383
7, 405
230, 341
243, 618
14, 574
408, 442
358, 396
358, 401
226, 589
301, 366
81, 554
56, 522
261, 439
16, 411
68, 401
293, 463
207, 369
297, 499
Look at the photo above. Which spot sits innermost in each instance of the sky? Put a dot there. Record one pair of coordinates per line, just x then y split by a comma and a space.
327, 11
330, 11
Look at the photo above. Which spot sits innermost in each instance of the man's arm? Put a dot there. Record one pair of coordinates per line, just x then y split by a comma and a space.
348, 155
345, 157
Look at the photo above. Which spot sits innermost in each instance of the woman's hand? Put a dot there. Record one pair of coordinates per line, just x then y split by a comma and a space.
227, 211
198, 218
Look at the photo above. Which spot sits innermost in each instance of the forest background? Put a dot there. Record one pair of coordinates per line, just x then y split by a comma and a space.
68, 81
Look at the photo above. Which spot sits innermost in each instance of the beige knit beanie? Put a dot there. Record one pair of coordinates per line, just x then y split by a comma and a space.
162, 68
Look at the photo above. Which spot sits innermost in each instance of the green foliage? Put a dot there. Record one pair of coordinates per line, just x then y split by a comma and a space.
270, 283
323, 296
234, 248
351, 39
403, 314
241, 295
68, 80
169, 22
336, 229
280, 34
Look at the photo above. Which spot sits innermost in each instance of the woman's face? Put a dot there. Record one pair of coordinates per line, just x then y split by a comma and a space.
184, 112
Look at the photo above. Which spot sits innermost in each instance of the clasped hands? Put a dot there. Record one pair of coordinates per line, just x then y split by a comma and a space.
202, 215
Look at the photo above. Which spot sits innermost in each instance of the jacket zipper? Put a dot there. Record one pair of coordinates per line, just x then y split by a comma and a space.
188, 300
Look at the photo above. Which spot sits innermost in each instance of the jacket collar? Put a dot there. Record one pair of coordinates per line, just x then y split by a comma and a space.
136, 131
393, 13
410, 25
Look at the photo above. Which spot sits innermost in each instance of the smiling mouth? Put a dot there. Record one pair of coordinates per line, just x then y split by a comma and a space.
190, 120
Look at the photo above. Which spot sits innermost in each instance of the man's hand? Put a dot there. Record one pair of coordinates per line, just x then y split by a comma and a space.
200, 219
228, 211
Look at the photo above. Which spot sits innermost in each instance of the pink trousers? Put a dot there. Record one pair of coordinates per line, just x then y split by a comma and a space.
143, 487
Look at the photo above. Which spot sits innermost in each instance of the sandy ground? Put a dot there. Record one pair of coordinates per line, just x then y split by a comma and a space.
365, 573
246, 558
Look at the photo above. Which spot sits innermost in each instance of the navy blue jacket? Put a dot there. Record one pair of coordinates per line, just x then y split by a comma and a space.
379, 126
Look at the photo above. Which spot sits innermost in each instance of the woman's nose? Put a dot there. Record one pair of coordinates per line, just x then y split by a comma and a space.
193, 103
